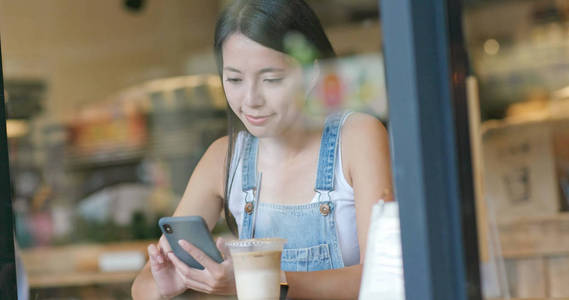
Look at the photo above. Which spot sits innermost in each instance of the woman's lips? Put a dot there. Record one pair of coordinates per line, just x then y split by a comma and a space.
257, 120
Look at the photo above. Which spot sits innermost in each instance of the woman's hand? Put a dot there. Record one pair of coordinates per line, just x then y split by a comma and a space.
167, 280
215, 278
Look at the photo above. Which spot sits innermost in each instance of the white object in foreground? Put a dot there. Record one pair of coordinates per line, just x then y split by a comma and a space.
383, 266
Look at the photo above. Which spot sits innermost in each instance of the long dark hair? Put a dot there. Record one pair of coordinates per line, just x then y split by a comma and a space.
269, 23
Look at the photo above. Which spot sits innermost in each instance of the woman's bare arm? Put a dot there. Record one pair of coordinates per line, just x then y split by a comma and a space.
341, 283
365, 146
204, 193
203, 196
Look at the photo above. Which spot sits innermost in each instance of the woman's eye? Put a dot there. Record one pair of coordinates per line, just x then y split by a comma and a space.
233, 80
273, 80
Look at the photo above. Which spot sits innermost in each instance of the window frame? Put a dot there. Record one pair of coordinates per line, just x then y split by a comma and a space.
426, 68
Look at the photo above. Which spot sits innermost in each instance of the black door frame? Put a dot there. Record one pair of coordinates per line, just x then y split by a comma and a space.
8, 286
426, 67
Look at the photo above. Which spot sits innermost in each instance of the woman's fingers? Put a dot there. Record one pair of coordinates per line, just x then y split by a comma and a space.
155, 254
152, 256
184, 269
164, 245
214, 278
222, 246
199, 256
152, 250
194, 284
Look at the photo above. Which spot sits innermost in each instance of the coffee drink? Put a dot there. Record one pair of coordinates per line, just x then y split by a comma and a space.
257, 265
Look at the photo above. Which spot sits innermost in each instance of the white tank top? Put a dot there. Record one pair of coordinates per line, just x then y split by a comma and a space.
342, 196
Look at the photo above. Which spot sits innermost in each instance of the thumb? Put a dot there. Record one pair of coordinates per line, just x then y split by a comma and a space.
220, 243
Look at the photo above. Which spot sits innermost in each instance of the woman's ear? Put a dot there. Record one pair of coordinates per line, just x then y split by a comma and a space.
314, 76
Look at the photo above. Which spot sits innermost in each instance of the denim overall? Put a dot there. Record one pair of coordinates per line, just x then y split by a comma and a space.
310, 229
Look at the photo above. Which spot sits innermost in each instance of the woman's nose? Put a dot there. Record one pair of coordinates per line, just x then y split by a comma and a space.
253, 97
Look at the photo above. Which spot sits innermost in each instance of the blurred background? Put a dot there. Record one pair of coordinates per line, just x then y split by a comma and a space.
110, 105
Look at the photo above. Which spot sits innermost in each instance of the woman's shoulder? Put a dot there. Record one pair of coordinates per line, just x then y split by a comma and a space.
363, 138
365, 152
359, 126
216, 152
219, 146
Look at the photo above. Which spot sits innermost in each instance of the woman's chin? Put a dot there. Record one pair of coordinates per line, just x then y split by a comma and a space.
258, 132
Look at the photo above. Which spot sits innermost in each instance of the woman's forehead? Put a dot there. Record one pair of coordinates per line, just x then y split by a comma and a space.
241, 52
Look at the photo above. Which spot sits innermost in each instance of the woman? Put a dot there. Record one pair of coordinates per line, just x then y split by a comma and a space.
347, 158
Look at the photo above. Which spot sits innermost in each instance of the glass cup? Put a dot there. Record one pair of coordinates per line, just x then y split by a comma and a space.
257, 267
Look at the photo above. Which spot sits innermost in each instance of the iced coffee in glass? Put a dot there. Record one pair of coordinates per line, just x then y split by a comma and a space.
257, 266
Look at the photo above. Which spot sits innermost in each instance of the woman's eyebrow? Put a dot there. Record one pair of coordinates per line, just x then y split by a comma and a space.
270, 70
232, 69
264, 70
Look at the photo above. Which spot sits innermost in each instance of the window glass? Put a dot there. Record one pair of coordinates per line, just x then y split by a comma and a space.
110, 106
519, 54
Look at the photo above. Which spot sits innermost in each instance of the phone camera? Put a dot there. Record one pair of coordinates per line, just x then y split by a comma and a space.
168, 228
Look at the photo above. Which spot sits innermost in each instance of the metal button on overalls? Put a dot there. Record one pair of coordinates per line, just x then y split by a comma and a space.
324, 209
249, 207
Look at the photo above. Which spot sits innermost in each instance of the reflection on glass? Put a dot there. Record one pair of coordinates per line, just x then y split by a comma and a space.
353, 83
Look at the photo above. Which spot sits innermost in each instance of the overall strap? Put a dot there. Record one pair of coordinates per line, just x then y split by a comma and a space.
248, 185
249, 170
328, 151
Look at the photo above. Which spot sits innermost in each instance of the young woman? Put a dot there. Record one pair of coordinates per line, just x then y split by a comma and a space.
318, 183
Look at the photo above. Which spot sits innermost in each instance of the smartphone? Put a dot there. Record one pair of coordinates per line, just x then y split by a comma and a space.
192, 229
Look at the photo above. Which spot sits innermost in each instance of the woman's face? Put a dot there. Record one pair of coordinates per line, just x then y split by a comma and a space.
263, 86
